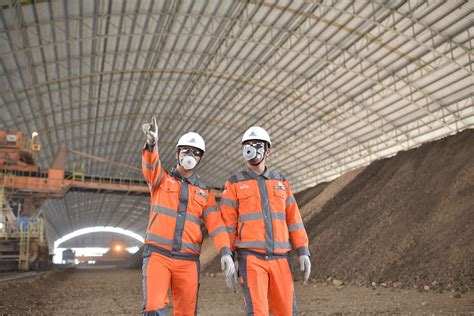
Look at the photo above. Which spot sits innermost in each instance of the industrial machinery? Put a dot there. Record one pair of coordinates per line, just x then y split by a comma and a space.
69, 256
116, 254
24, 188
22, 239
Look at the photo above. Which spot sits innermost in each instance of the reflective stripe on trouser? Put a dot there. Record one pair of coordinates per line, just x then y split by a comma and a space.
267, 285
159, 274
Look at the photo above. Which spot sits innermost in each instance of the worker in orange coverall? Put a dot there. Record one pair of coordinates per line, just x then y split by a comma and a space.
259, 207
180, 202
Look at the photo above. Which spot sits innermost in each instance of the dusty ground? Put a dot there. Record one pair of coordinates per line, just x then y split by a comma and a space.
112, 291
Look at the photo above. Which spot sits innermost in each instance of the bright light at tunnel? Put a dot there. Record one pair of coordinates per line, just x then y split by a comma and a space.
133, 249
58, 254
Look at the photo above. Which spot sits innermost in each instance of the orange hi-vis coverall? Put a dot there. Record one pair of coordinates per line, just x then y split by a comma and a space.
265, 217
173, 238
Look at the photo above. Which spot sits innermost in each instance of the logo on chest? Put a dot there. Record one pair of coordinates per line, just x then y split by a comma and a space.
280, 186
201, 193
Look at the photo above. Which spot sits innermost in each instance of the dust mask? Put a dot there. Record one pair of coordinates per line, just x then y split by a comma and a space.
253, 155
188, 162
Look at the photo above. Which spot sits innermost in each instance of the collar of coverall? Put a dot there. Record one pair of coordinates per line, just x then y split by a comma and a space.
253, 174
192, 179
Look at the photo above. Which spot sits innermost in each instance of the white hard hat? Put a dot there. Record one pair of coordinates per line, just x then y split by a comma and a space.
192, 139
256, 133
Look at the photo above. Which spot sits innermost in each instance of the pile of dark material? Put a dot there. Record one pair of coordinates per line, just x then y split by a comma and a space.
305, 196
407, 219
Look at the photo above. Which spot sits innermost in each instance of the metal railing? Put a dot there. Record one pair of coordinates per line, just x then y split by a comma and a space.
19, 173
104, 179
77, 176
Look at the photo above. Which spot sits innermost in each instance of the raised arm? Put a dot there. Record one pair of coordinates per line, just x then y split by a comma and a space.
151, 164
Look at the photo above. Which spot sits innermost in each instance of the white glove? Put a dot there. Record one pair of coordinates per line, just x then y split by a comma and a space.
151, 131
227, 265
305, 265
232, 282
